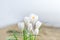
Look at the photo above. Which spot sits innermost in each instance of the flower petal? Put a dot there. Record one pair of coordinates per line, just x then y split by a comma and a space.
21, 25
33, 18
38, 24
36, 31
27, 20
30, 26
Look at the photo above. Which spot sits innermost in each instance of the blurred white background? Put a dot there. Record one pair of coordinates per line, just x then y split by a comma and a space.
12, 11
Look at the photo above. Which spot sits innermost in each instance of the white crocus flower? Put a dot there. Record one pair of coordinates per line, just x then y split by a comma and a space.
21, 26
29, 27
38, 24
33, 18
36, 31
26, 20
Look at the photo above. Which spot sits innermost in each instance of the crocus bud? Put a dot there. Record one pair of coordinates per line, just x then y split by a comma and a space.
26, 20
21, 25
36, 31
38, 24
29, 26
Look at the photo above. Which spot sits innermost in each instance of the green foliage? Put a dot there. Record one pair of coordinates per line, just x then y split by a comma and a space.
11, 38
14, 35
31, 37
27, 36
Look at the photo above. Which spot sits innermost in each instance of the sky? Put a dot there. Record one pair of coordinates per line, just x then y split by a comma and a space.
13, 11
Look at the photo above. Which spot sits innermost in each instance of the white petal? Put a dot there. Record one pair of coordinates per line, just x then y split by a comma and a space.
21, 25
30, 26
36, 31
26, 20
38, 24
33, 18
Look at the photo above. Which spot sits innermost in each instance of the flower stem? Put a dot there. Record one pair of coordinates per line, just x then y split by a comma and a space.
35, 37
25, 35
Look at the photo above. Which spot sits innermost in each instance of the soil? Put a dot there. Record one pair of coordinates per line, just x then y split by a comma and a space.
46, 32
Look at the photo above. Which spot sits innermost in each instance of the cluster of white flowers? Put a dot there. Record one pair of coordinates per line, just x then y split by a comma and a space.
31, 23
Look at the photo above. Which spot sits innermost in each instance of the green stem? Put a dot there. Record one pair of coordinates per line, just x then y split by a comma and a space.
25, 35
31, 36
35, 37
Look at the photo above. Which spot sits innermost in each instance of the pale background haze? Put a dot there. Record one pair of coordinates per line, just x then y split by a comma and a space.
12, 11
